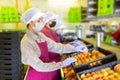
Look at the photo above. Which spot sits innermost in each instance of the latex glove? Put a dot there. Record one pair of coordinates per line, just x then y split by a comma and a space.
81, 49
76, 43
68, 61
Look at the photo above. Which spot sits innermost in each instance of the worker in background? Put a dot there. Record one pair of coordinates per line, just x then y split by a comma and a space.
50, 22
116, 31
66, 38
53, 29
59, 30
35, 47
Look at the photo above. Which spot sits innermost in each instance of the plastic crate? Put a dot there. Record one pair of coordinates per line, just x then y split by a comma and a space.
10, 66
9, 40
9, 76
10, 58
110, 56
110, 65
9, 45
9, 51
9, 35
89, 45
9, 55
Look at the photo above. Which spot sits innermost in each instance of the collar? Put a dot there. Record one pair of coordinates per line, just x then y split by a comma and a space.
32, 35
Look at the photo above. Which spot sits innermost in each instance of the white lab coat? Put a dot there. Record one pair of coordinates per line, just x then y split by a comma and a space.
30, 51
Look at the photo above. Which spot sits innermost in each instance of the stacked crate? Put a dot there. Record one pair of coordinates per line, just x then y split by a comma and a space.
105, 7
4, 14
74, 15
9, 14
10, 58
13, 14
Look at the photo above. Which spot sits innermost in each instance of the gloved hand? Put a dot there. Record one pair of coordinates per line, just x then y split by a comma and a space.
76, 43
81, 48
68, 61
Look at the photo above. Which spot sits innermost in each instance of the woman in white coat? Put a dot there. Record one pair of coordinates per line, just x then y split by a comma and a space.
35, 47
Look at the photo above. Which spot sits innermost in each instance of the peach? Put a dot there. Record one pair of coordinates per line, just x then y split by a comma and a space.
88, 75
95, 77
111, 72
105, 74
92, 73
82, 76
107, 69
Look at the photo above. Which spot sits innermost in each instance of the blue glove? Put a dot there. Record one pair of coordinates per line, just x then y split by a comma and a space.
81, 49
76, 43
68, 61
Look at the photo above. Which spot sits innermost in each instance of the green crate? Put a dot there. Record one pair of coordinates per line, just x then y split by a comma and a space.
109, 8
13, 15
110, 1
14, 19
109, 12
74, 14
4, 20
101, 0
4, 8
5, 16
101, 13
105, 7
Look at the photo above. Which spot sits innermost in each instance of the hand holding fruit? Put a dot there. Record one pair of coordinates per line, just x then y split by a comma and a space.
81, 49
68, 61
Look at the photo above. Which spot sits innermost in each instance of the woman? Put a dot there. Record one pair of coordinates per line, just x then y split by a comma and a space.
35, 47
116, 31
50, 21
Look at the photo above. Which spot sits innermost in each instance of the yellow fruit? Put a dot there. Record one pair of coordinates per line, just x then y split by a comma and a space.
108, 69
88, 75
105, 74
82, 76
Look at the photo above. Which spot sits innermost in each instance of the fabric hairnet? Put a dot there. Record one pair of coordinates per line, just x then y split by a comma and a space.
115, 23
31, 14
49, 16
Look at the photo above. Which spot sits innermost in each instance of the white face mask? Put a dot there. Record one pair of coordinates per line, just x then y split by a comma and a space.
38, 26
114, 29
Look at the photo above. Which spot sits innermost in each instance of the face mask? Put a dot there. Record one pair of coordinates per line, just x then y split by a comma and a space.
52, 24
38, 26
114, 29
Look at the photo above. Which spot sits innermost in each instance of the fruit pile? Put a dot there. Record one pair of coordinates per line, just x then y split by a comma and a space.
69, 73
64, 57
103, 74
83, 57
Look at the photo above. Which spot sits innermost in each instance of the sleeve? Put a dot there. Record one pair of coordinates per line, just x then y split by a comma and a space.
29, 57
57, 47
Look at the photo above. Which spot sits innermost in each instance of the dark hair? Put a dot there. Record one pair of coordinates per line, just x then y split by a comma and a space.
27, 25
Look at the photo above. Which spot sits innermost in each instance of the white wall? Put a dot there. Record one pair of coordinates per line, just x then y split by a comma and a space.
58, 8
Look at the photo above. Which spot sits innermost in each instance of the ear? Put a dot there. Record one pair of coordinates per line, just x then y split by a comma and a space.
32, 24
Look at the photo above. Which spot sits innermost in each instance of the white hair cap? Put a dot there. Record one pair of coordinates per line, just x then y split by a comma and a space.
31, 14
114, 23
59, 26
49, 16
